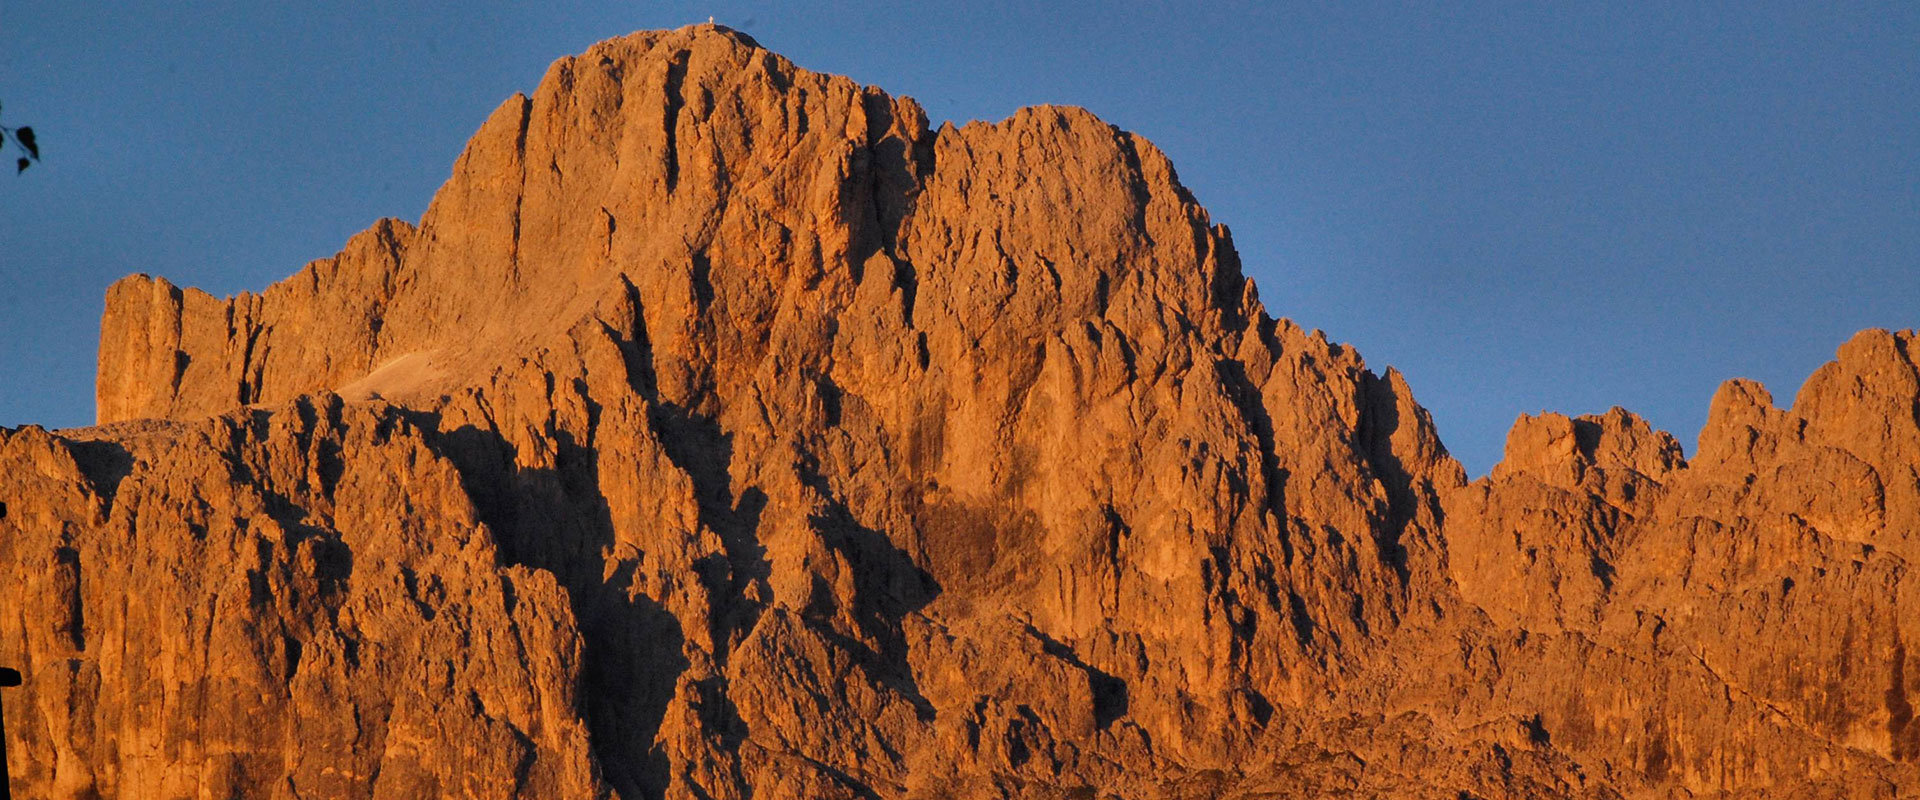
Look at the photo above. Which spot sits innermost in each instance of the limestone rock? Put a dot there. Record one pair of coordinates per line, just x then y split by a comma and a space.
1755, 602
724, 430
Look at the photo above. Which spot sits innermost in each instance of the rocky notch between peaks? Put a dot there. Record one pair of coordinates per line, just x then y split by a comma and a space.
722, 431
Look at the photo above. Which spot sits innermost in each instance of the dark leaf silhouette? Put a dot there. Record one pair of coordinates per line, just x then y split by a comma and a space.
22, 139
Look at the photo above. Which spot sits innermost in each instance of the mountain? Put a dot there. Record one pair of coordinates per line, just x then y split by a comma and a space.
722, 430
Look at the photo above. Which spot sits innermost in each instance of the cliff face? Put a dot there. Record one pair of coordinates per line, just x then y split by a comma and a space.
723, 431
1766, 583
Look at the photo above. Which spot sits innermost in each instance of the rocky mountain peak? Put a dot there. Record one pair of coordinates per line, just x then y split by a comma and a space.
725, 429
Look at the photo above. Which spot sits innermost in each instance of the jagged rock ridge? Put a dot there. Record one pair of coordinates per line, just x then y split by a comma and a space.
724, 431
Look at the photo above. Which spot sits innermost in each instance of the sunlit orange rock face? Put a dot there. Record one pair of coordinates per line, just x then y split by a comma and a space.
723, 431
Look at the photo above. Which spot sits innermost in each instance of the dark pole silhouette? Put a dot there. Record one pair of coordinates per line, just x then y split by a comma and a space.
8, 677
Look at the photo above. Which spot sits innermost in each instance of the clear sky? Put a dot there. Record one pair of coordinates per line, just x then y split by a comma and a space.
1523, 207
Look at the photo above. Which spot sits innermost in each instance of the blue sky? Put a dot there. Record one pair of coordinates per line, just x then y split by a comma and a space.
1522, 207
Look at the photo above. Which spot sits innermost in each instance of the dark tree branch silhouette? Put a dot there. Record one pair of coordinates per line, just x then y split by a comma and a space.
9, 677
22, 139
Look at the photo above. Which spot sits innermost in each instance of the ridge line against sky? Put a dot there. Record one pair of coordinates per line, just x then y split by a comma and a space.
1521, 209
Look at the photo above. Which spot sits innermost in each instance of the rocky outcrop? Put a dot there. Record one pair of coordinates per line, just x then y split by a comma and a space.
1756, 601
287, 604
723, 430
